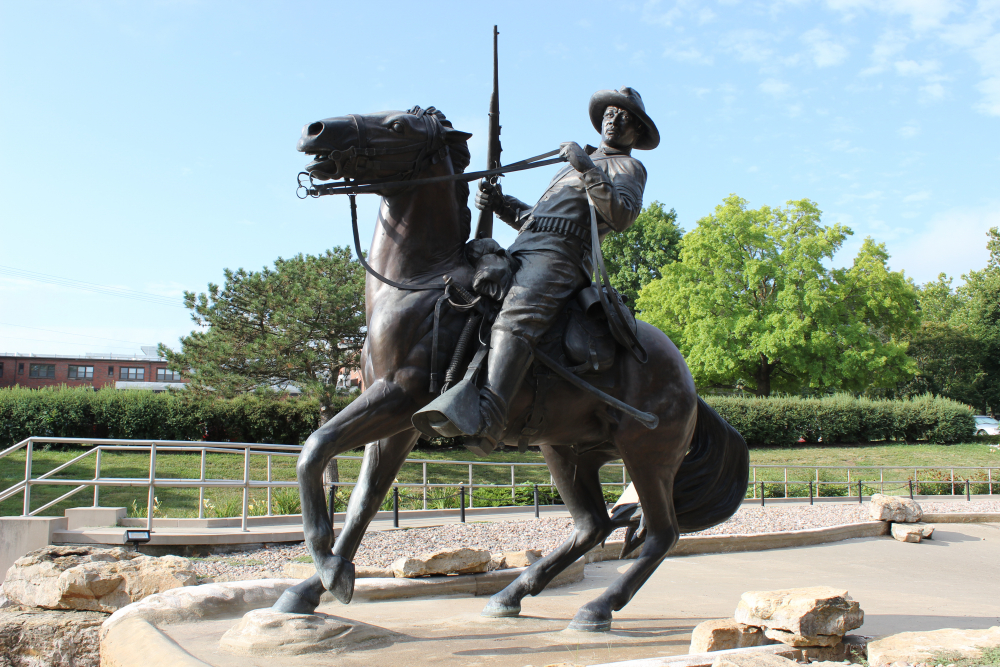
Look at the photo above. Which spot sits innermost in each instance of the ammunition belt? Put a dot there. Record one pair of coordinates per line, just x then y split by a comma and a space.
560, 226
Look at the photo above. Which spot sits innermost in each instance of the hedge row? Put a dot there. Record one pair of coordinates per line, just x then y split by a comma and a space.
135, 414
782, 421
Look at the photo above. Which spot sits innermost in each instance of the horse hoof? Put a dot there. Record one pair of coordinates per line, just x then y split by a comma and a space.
337, 575
495, 609
589, 620
300, 599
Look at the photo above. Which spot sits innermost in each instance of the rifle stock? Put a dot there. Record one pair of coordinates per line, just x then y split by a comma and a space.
484, 228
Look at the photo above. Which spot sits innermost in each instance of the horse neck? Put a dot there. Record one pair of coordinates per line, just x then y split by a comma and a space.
419, 233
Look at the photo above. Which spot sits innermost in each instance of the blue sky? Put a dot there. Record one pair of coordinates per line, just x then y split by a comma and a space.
146, 146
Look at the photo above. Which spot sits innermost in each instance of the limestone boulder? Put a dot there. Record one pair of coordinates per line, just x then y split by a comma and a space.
814, 614
894, 508
911, 532
915, 647
524, 558
91, 578
724, 634
451, 561
306, 570
35, 637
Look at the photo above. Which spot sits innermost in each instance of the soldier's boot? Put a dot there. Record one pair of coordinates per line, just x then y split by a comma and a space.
509, 361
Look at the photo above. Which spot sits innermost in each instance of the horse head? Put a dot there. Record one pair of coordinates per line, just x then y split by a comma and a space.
393, 145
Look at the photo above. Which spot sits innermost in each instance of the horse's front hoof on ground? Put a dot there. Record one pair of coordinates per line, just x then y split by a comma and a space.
301, 598
497, 609
337, 575
591, 619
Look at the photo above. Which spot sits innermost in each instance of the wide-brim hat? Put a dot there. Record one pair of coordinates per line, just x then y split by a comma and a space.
625, 98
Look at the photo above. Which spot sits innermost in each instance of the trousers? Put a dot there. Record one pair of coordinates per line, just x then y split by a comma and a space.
553, 268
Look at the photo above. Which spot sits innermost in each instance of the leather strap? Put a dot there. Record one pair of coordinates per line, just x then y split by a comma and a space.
622, 333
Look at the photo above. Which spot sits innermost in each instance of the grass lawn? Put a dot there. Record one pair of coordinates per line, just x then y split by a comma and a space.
175, 502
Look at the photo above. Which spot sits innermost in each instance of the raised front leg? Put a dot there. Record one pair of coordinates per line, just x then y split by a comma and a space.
382, 411
579, 484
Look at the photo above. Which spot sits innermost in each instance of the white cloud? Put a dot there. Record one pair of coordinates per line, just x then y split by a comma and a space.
913, 68
990, 88
749, 45
825, 51
917, 196
890, 44
923, 14
933, 91
953, 242
909, 130
686, 51
774, 87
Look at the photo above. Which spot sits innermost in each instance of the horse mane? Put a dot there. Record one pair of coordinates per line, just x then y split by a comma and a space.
460, 159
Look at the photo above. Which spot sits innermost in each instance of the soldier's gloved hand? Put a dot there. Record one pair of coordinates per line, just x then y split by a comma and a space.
576, 156
489, 197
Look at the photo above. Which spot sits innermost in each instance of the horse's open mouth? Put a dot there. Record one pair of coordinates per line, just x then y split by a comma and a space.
323, 168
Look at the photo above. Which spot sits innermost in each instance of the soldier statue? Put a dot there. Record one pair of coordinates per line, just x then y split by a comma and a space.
552, 253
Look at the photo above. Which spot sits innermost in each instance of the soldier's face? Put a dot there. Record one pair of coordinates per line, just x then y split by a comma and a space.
620, 128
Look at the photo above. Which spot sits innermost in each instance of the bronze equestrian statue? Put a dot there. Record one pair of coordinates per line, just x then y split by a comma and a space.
428, 287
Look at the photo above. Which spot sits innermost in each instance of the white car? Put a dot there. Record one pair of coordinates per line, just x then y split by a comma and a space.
987, 425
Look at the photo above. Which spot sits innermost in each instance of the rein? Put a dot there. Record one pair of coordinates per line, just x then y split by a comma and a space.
356, 188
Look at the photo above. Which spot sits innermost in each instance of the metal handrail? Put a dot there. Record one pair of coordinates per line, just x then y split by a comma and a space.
247, 483
992, 477
152, 481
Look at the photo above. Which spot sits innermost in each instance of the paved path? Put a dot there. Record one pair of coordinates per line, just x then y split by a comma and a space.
950, 581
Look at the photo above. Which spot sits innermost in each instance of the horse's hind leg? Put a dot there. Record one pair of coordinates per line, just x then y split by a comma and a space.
579, 484
655, 486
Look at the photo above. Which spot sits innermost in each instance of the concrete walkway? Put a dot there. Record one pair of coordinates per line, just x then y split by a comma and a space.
952, 580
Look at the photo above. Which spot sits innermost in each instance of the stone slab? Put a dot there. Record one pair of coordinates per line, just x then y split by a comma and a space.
914, 647
265, 632
94, 517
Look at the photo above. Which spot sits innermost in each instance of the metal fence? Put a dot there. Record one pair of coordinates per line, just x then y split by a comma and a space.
791, 480
97, 447
956, 480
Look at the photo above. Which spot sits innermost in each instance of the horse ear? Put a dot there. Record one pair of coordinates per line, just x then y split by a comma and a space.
453, 136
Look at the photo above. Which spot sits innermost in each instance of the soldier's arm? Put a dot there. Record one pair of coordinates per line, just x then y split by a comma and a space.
619, 200
506, 207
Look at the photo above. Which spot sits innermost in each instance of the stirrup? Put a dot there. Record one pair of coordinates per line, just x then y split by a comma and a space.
453, 413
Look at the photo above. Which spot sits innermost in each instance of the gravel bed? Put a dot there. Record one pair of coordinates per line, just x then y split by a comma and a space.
381, 548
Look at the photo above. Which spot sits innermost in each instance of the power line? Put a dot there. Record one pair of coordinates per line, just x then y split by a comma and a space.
107, 290
70, 333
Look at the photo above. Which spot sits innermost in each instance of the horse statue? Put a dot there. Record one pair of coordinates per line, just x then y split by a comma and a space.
689, 471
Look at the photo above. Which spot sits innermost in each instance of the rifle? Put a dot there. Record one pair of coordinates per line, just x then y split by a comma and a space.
484, 229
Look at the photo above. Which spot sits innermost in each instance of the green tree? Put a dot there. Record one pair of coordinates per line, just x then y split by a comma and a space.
981, 313
637, 255
296, 324
752, 305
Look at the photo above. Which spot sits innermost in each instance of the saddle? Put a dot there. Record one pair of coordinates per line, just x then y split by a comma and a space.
581, 342
581, 338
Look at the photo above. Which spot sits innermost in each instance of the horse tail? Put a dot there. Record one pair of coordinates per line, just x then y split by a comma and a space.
712, 480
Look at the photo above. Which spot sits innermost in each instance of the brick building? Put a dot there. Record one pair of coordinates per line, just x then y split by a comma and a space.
92, 370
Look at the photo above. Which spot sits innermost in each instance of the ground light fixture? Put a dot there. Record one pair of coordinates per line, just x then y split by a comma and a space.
137, 537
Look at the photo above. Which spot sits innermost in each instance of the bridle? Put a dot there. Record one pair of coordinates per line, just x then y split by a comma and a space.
360, 158
431, 150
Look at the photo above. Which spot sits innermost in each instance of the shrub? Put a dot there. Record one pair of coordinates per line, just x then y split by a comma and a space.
782, 421
80, 412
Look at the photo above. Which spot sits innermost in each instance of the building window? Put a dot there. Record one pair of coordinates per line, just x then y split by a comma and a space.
81, 373
47, 371
163, 375
111, 371
132, 373
20, 369
1, 369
